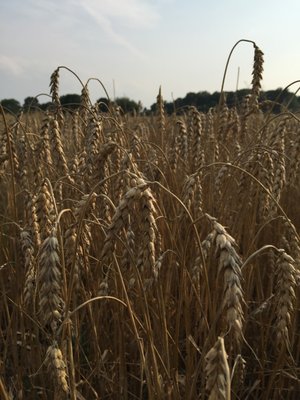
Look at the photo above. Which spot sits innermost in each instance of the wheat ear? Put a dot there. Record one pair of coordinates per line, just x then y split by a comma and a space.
284, 296
256, 76
50, 281
230, 266
217, 372
57, 370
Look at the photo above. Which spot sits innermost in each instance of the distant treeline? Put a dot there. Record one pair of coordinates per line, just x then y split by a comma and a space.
277, 100
69, 102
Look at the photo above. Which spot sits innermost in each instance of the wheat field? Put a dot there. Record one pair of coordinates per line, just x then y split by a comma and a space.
150, 257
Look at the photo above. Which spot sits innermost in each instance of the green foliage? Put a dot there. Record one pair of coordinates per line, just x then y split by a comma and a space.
127, 105
70, 101
31, 104
11, 105
277, 100
281, 100
47, 106
103, 104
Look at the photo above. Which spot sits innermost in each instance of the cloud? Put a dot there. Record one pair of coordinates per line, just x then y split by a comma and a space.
11, 65
107, 27
136, 14
111, 16
133, 13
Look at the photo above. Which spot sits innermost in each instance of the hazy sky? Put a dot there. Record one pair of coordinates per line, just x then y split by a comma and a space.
140, 44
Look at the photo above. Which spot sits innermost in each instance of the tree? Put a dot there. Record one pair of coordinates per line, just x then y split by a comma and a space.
70, 101
11, 105
103, 104
127, 105
47, 106
276, 98
31, 104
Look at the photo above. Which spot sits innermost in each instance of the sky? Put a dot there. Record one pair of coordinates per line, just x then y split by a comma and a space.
134, 46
